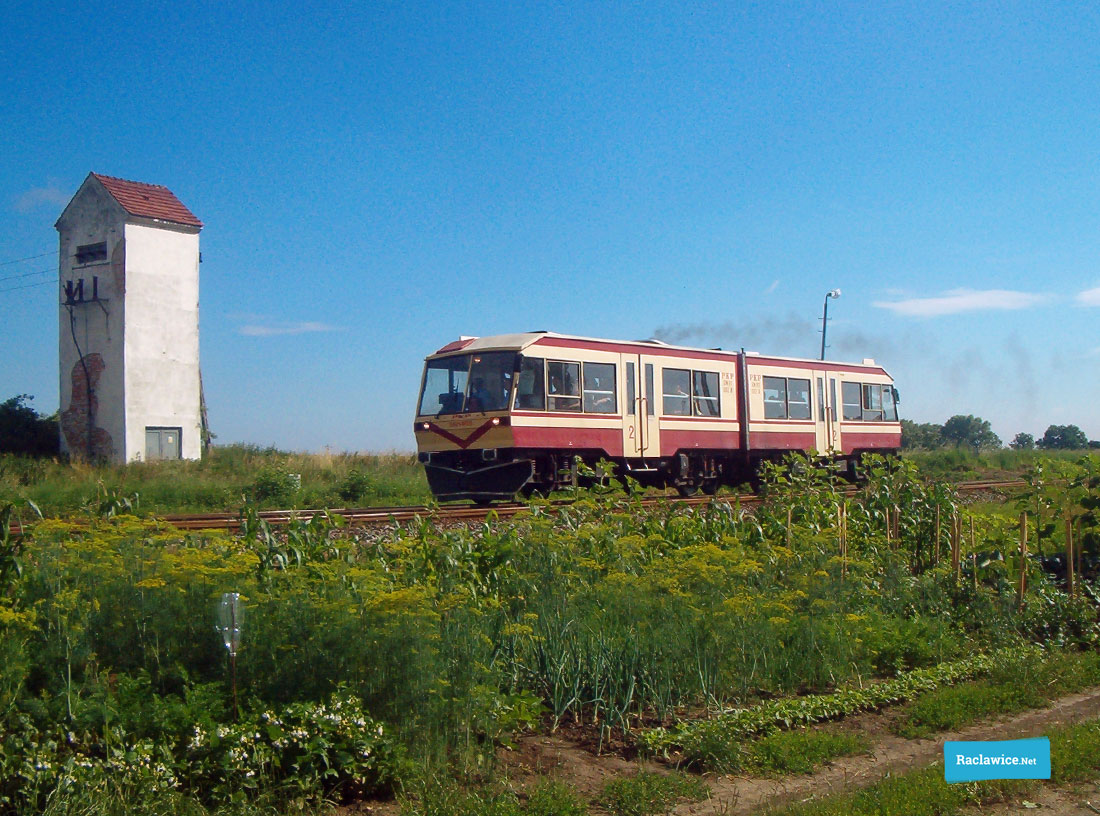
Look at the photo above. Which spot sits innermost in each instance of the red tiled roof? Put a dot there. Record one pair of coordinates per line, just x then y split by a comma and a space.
148, 200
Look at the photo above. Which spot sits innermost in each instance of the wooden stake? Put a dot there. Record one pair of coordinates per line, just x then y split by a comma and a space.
1069, 555
1023, 562
936, 557
842, 531
956, 535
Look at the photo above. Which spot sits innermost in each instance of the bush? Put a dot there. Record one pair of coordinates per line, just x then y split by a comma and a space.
355, 486
274, 485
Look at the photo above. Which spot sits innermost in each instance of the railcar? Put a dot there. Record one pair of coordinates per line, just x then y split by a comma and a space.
513, 413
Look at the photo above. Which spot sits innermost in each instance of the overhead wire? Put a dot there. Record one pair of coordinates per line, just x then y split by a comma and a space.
26, 286
28, 258
26, 274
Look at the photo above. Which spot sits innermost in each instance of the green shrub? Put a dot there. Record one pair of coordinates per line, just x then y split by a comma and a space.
355, 486
274, 484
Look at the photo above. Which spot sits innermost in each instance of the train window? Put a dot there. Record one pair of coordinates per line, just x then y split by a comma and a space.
444, 389
775, 397
705, 392
631, 408
853, 406
531, 384
798, 399
821, 399
872, 402
565, 386
889, 405
677, 392
649, 390
490, 381
599, 388
832, 397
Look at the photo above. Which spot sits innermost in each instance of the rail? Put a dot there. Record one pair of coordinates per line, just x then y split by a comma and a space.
369, 516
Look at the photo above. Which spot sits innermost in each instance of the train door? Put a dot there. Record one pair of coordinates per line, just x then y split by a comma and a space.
632, 390
821, 416
640, 429
834, 415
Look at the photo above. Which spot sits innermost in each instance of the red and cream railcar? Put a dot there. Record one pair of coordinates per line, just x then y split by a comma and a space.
510, 413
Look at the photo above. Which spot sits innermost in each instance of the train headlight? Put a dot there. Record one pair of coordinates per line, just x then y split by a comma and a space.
424, 426
496, 420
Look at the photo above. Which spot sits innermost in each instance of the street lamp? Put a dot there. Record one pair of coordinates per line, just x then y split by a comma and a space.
825, 316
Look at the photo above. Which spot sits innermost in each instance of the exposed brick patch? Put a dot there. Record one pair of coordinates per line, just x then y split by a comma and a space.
74, 420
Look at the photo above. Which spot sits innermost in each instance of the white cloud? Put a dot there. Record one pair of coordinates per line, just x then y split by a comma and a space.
963, 300
255, 330
50, 195
773, 287
1090, 297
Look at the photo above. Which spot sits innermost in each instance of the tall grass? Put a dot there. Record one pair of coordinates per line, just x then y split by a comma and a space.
227, 478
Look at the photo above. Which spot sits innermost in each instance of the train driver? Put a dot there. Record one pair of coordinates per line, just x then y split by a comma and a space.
479, 399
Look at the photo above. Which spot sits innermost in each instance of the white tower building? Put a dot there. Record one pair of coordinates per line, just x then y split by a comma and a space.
129, 324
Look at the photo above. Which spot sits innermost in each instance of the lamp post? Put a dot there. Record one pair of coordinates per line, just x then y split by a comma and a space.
825, 316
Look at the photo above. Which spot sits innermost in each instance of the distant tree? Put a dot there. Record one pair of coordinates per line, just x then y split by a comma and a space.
1094, 443
921, 435
23, 430
1023, 441
1064, 437
970, 430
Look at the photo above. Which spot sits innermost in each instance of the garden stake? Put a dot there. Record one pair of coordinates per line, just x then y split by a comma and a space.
936, 558
956, 544
1069, 554
1023, 562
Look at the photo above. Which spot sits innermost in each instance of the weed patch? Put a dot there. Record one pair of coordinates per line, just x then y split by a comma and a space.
434, 797
800, 751
647, 794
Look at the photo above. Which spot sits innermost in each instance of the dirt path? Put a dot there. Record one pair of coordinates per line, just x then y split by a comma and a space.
541, 755
890, 755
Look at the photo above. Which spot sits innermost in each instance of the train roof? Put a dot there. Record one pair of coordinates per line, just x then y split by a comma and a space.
525, 340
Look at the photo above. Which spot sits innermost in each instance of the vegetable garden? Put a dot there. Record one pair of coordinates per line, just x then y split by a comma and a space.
368, 658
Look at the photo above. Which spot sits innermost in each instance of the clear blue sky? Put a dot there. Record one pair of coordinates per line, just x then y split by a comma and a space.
378, 178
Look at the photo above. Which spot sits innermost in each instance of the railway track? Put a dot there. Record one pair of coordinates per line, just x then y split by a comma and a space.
369, 516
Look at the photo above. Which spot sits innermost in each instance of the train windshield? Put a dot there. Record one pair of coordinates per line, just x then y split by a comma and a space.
467, 383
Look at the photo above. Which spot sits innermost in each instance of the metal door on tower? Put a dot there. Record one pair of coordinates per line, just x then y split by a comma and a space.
162, 443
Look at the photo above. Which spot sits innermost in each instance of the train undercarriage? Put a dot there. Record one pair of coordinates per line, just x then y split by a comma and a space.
484, 476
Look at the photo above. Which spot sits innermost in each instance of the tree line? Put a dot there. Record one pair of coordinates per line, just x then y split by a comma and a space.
25, 431
974, 432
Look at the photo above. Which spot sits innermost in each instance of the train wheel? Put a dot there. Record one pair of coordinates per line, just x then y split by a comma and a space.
687, 489
710, 486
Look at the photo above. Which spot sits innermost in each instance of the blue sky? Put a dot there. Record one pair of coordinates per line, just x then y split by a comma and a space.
378, 179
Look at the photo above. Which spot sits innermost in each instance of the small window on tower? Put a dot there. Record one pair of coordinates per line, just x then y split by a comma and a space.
90, 253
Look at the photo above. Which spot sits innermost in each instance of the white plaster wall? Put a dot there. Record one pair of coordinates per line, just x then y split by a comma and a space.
94, 216
162, 336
